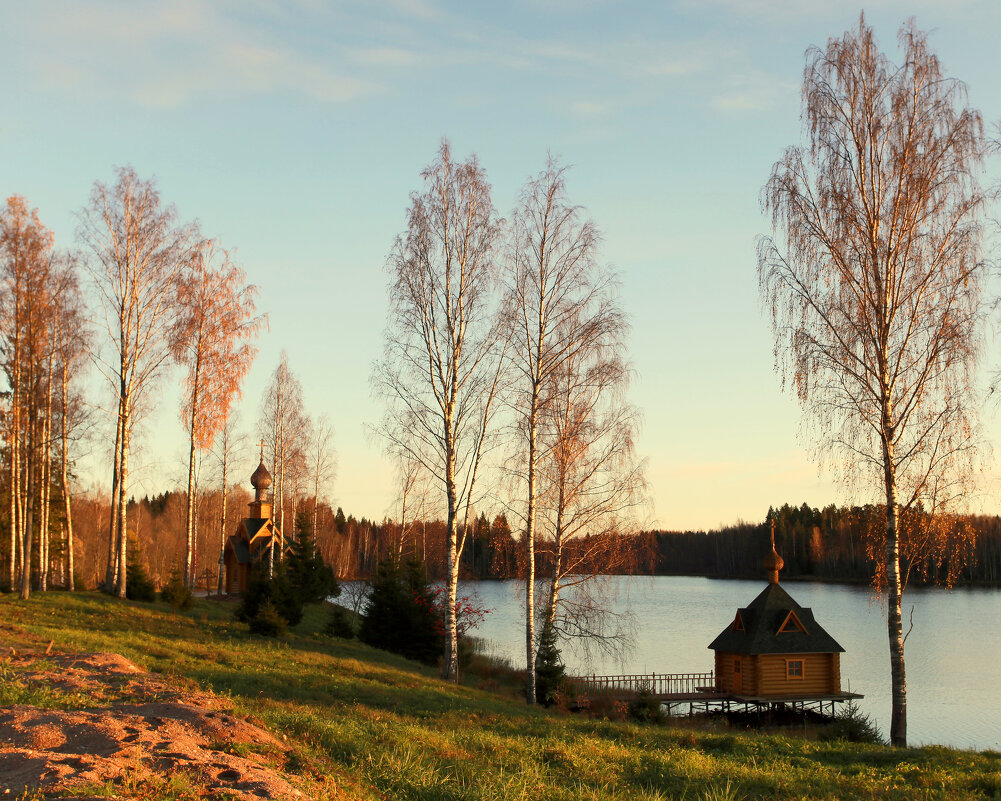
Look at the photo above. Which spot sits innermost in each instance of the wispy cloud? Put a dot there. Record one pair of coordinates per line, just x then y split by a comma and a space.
166, 53
755, 91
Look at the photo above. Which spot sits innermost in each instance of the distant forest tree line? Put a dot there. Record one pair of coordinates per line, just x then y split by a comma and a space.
830, 544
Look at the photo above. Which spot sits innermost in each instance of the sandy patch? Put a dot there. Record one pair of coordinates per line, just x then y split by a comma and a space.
130, 727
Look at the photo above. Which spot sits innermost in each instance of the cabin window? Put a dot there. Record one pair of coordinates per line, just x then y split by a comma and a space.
738, 623
792, 624
794, 668
736, 664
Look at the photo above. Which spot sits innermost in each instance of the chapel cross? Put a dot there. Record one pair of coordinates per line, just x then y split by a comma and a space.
261, 443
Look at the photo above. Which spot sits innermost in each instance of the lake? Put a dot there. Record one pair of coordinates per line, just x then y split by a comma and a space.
953, 655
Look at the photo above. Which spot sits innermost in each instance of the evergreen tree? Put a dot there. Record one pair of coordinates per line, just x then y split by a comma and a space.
549, 667
139, 586
276, 591
400, 615
310, 577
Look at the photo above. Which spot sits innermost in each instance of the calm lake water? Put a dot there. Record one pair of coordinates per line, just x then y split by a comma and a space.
953, 654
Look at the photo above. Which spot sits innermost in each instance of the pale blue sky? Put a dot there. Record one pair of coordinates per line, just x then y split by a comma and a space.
296, 130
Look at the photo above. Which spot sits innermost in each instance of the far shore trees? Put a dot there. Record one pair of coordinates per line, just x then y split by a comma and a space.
211, 339
441, 369
135, 252
874, 283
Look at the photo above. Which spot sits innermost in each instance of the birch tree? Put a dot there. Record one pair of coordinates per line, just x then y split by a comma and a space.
323, 460
559, 300
26, 270
441, 368
874, 282
71, 341
135, 252
216, 321
284, 427
591, 480
227, 444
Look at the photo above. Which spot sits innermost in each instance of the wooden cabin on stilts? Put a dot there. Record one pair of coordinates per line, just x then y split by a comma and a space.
773, 655
775, 652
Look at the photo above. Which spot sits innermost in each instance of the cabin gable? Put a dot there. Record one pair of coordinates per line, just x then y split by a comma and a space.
792, 624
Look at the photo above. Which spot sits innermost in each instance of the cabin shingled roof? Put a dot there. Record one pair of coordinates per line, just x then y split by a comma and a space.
762, 619
254, 525
240, 549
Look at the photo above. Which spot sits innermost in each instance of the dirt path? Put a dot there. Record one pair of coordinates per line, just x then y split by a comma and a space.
86, 722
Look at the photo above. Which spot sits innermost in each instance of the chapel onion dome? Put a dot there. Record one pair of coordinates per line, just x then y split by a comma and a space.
773, 563
261, 479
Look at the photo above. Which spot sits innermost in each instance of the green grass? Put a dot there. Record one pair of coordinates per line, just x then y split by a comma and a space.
369, 725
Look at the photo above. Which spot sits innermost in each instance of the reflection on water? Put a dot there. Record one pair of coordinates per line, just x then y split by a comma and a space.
953, 657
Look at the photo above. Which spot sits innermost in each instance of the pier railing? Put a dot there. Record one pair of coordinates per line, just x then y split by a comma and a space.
679, 686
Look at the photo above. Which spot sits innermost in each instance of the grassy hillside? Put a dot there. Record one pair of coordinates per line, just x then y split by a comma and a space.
368, 725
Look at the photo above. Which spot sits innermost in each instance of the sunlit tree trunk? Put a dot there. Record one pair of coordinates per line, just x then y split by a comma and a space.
64, 476
30, 511
894, 587
123, 537
189, 551
44, 562
222, 516
111, 574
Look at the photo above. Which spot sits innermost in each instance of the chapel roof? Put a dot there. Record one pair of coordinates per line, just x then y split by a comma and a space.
760, 624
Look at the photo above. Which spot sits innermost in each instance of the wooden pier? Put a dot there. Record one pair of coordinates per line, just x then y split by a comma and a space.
665, 687
696, 690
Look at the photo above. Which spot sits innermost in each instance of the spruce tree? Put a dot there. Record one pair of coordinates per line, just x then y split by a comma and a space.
400, 615
310, 578
549, 667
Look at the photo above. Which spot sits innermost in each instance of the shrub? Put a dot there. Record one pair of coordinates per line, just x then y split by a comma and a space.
175, 593
339, 624
853, 725
646, 708
549, 667
268, 622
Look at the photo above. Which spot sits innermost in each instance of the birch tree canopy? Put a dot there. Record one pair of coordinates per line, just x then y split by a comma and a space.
874, 282
441, 368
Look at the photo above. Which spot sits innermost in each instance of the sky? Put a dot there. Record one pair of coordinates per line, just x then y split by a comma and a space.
295, 132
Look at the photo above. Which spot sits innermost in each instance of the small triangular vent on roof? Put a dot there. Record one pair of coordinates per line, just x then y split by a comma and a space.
738, 622
792, 623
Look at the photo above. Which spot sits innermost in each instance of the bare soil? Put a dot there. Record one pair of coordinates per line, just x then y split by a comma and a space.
129, 732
